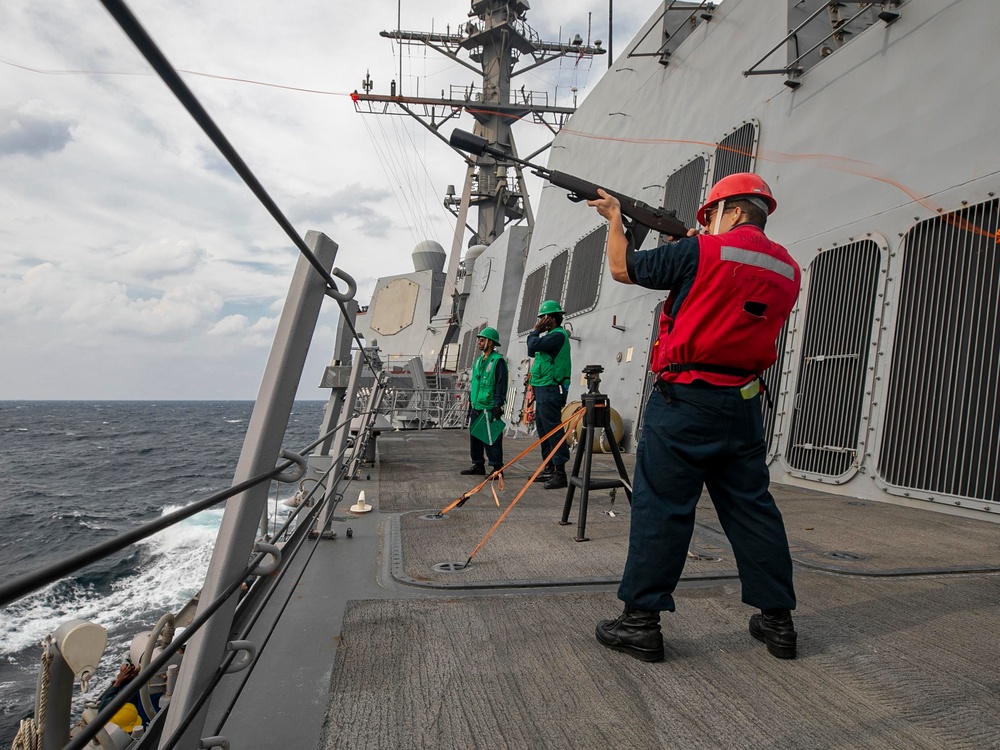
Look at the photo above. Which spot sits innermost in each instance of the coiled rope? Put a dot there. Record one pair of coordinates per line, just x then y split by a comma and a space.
31, 731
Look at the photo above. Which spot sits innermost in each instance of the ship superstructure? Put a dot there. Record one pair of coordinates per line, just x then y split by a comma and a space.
886, 381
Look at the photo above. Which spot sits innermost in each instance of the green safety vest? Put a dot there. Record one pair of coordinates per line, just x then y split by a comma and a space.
482, 387
547, 370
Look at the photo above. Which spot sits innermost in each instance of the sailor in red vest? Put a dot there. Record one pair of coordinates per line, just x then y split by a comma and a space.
730, 291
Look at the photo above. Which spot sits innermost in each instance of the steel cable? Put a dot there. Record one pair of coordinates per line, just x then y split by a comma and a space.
30, 582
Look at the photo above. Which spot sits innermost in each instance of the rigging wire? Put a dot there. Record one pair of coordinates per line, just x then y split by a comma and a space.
410, 180
148, 48
401, 163
385, 170
392, 173
410, 156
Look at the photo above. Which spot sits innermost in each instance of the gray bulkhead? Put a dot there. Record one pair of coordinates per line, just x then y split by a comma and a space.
399, 317
882, 144
494, 284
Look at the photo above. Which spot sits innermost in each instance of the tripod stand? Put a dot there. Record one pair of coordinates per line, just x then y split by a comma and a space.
596, 417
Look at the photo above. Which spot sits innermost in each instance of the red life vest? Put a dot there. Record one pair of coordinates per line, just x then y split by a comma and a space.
743, 292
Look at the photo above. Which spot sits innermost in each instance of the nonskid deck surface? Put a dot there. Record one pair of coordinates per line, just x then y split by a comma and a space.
419, 475
888, 659
903, 663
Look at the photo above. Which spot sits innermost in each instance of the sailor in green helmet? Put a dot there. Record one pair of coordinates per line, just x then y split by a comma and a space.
548, 343
487, 392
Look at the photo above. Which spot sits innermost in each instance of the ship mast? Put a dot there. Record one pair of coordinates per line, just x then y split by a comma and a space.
495, 38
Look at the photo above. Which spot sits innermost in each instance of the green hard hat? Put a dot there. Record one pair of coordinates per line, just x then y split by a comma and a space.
548, 307
489, 333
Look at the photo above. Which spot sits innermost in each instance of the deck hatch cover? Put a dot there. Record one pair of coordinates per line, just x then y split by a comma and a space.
530, 300
585, 272
941, 430
827, 433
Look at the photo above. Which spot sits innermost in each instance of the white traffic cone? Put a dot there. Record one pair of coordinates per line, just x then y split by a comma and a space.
361, 506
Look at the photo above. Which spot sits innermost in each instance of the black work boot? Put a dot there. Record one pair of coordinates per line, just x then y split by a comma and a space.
497, 470
636, 632
546, 474
557, 480
474, 469
774, 627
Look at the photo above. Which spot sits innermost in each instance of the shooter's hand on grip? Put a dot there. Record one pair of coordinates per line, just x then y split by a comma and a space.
607, 205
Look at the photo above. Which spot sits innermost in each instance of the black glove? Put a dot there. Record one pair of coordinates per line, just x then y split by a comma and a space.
497, 412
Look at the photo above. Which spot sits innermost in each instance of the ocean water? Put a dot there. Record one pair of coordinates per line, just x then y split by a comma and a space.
73, 474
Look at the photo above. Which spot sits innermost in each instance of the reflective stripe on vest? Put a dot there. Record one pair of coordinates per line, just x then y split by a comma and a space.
743, 291
761, 260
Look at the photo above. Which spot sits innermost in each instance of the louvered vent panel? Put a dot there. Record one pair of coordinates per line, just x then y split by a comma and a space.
683, 193
942, 421
530, 300
557, 277
773, 380
465, 355
650, 380
469, 349
585, 272
827, 431
735, 153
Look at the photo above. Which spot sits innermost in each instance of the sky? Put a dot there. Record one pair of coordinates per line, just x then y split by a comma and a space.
135, 263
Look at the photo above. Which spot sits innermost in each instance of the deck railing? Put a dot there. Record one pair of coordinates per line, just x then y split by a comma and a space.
249, 560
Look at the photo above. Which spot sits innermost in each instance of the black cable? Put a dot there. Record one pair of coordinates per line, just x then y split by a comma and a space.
30, 582
221, 671
299, 543
87, 733
145, 44
147, 47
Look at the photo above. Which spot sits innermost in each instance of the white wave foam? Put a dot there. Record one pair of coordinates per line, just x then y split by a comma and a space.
171, 570
93, 526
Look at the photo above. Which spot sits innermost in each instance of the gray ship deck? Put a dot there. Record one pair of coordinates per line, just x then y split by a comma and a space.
897, 621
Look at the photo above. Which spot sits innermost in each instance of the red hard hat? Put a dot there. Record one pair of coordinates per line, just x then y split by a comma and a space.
739, 185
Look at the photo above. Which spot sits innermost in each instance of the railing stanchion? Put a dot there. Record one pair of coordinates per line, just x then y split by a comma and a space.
261, 449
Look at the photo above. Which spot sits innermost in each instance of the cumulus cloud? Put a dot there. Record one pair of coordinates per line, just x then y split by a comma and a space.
259, 333
48, 293
31, 130
355, 203
162, 257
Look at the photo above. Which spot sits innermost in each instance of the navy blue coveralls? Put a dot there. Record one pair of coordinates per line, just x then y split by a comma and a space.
697, 435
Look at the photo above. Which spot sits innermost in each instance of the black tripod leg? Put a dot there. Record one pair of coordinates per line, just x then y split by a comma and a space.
571, 488
588, 455
622, 472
